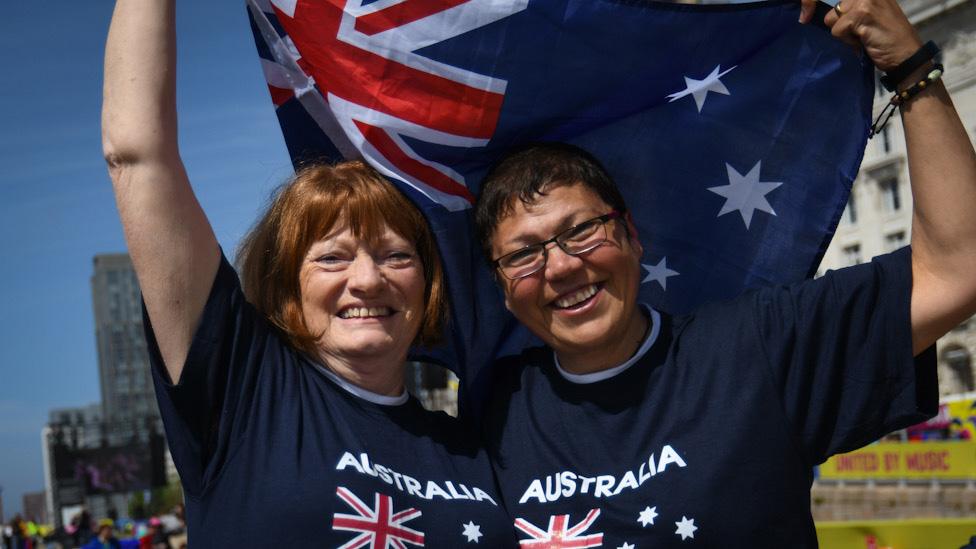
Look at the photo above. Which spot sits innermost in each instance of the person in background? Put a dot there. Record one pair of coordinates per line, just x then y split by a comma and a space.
154, 538
104, 538
633, 428
81, 527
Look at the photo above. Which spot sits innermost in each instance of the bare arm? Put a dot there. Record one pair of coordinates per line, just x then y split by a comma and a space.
172, 245
941, 167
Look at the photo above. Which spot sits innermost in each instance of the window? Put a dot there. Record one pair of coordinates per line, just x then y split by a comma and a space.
890, 194
885, 140
894, 241
850, 211
959, 362
852, 254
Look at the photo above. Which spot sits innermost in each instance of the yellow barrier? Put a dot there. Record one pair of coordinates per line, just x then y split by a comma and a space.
901, 534
897, 460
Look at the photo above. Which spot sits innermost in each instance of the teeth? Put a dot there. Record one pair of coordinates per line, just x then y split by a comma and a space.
364, 312
576, 297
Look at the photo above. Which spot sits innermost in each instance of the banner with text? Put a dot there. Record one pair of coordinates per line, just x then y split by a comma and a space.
896, 460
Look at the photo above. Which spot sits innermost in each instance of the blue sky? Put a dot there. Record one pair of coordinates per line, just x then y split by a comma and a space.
56, 204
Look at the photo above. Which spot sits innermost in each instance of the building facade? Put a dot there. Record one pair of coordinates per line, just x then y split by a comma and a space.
878, 216
81, 425
119, 438
128, 402
35, 508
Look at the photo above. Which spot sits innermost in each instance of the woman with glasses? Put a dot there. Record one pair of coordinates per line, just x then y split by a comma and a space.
283, 400
633, 428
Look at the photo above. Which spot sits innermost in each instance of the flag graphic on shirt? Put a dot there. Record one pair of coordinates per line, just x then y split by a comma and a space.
560, 534
379, 526
733, 131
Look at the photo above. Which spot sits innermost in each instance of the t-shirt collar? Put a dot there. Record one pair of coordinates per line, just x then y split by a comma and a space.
593, 377
369, 396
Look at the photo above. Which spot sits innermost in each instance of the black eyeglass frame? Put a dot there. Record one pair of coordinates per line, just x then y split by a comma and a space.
603, 219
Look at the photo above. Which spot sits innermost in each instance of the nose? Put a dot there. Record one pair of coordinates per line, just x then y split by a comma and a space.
559, 263
364, 275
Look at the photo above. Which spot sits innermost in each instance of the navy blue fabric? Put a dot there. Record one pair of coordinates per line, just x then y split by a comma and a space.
722, 420
615, 77
269, 449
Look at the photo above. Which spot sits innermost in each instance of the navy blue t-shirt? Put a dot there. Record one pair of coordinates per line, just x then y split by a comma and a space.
709, 435
273, 452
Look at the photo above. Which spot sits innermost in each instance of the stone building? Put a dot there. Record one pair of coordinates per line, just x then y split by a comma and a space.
878, 216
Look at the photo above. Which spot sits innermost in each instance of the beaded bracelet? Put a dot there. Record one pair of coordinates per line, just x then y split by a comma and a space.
904, 96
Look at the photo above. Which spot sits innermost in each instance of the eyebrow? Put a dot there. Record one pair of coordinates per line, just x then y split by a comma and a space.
524, 240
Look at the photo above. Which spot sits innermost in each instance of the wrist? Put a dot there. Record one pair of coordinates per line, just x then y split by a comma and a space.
917, 64
916, 75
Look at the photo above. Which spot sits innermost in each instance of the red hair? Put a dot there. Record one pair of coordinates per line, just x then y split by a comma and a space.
307, 208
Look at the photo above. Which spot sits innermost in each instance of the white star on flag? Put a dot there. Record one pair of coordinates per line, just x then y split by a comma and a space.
626, 546
699, 88
647, 516
659, 273
745, 193
686, 528
472, 531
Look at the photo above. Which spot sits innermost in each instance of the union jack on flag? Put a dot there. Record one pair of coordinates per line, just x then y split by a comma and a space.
733, 131
560, 534
379, 526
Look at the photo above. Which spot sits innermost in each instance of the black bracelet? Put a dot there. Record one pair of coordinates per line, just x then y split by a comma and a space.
902, 97
895, 76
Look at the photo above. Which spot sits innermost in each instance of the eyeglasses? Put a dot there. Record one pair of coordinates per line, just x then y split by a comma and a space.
575, 240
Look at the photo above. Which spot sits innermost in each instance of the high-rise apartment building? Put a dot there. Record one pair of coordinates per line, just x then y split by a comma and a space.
128, 402
879, 213
96, 456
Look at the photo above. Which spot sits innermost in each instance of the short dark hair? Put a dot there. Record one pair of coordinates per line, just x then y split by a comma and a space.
529, 171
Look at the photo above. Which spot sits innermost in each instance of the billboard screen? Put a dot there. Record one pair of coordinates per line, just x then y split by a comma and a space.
110, 469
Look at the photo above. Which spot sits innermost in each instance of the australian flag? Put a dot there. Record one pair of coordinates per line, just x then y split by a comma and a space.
734, 131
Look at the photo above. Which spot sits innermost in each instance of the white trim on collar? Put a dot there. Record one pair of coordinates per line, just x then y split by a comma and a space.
584, 379
356, 391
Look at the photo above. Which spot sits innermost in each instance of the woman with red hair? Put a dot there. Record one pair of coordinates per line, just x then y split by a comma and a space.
283, 398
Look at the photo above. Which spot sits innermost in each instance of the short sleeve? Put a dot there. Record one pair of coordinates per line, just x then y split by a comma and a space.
206, 412
839, 350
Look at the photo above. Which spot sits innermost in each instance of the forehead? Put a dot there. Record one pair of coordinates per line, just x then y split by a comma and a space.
559, 208
375, 235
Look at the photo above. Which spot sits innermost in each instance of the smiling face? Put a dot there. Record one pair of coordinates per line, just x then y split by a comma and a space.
363, 298
584, 306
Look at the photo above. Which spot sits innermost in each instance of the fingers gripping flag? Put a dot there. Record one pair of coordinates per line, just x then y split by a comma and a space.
734, 131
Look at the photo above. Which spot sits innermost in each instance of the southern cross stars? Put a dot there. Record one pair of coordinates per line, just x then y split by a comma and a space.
745, 193
472, 531
699, 88
647, 516
659, 273
686, 528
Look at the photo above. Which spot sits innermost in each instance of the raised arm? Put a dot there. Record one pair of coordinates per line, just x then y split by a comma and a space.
172, 245
941, 167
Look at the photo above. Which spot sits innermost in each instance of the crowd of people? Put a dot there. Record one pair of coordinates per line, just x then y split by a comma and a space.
83, 532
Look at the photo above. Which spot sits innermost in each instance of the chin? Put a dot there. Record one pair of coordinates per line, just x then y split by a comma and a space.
364, 346
369, 348
580, 341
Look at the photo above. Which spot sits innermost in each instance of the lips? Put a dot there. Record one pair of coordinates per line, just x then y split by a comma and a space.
577, 297
365, 312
